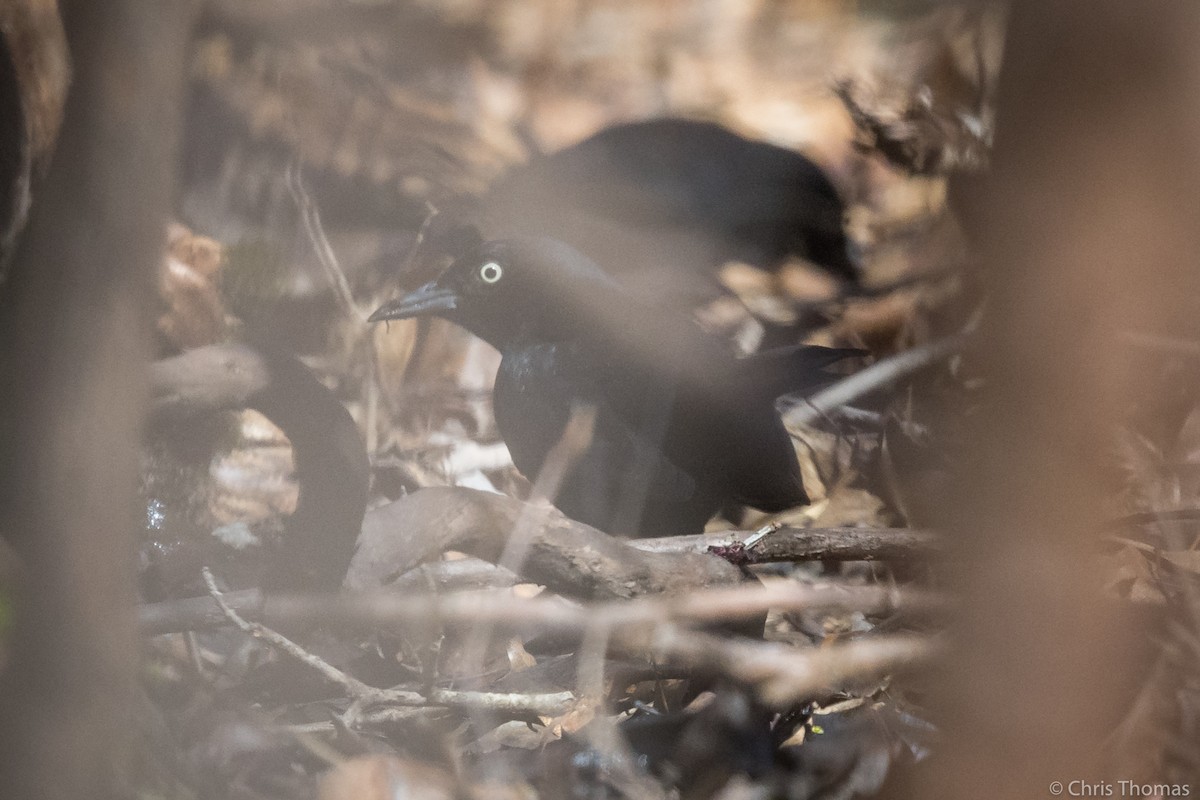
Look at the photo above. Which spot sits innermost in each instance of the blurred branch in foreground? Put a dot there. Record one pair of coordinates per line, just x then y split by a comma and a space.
1088, 229
75, 316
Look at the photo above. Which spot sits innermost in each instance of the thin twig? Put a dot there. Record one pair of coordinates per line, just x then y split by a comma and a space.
321, 247
352, 686
410, 258
341, 288
546, 704
876, 376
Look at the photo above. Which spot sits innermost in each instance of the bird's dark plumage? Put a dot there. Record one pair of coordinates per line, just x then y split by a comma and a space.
682, 427
662, 202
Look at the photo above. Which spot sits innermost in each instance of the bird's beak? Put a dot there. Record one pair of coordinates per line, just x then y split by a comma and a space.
430, 299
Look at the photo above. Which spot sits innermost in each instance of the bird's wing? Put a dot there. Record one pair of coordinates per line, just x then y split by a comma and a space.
792, 370
723, 424
624, 465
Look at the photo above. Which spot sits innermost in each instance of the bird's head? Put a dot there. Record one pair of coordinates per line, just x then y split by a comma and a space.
502, 288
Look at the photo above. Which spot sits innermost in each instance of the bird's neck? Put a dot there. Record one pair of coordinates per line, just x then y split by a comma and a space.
505, 332
531, 336
509, 329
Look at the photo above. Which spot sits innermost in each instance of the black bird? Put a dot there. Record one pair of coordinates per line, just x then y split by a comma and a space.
683, 428
661, 204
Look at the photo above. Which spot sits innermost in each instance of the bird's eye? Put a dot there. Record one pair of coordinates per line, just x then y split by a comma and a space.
490, 272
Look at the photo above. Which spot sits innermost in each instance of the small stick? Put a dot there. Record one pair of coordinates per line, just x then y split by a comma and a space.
280, 642
876, 376
547, 704
324, 251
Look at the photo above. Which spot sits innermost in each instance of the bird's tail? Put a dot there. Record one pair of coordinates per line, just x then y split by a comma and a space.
799, 369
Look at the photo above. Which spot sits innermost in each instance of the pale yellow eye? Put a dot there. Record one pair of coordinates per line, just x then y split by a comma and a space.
490, 272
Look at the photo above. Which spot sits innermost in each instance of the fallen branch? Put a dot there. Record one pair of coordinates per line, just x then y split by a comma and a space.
799, 544
568, 557
783, 545
392, 610
208, 379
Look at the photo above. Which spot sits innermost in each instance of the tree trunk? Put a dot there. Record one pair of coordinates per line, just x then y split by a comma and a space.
75, 328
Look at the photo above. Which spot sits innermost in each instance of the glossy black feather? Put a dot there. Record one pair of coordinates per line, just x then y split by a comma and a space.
682, 428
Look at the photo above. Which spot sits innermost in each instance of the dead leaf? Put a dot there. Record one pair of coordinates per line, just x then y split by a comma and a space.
1188, 560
